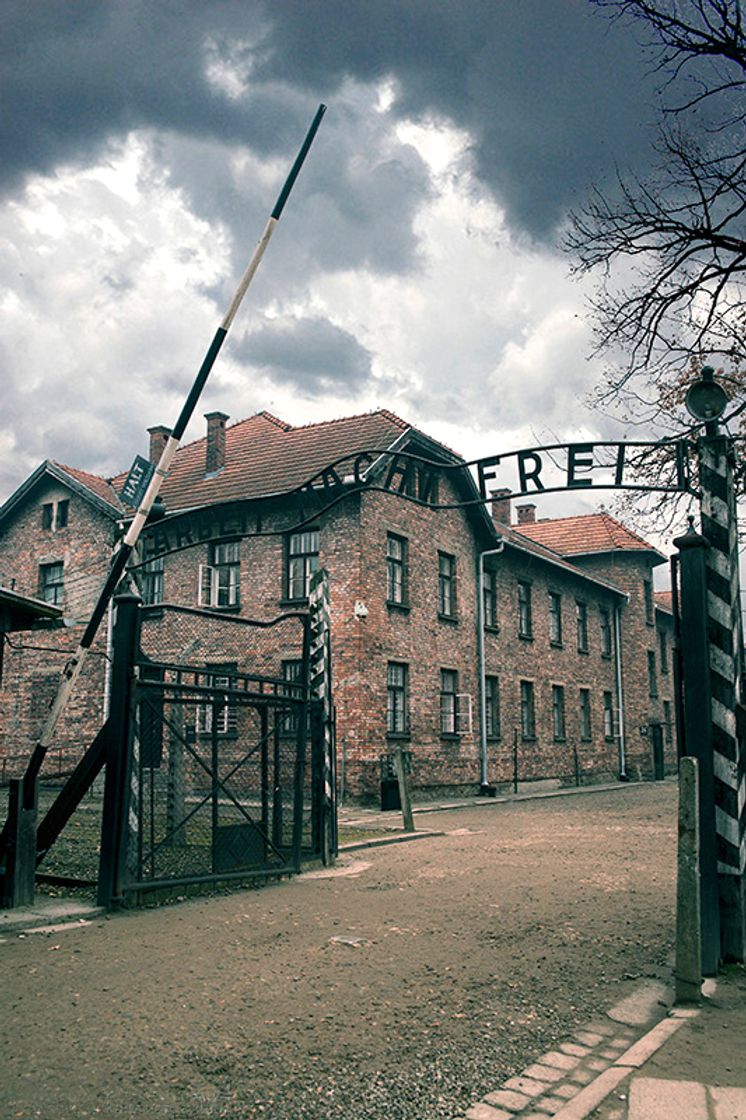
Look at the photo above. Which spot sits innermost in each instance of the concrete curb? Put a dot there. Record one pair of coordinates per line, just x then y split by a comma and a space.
403, 838
501, 799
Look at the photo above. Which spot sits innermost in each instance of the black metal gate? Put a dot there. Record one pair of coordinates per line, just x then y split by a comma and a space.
216, 772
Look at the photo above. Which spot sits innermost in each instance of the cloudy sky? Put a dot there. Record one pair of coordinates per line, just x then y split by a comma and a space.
142, 145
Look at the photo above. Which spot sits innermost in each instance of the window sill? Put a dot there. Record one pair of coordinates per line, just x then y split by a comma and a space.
293, 602
229, 608
560, 739
526, 637
452, 618
494, 738
491, 628
584, 652
399, 736
557, 645
606, 656
528, 738
403, 608
450, 736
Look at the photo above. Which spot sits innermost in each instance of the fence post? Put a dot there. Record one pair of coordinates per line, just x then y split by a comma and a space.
404, 795
20, 853
115, 817
695, 664
688, 931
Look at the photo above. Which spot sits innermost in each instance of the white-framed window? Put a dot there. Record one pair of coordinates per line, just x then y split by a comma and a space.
446, 585
606, 646
585, 714
219, 710
558, 713
151, 581
525, 621
396, 570
397, 698
51, 582
528, 713
489, 598
302, 562
54, 515
292, 672
448, 702
220, 579
492, 706
555, 618
581, 615
608, 716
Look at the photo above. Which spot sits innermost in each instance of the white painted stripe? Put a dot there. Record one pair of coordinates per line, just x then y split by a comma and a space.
722, 663
724, 718
726, 827
725, 770
248, 275
720, 610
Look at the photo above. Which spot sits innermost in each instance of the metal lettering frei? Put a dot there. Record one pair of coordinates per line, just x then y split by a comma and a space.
119, 562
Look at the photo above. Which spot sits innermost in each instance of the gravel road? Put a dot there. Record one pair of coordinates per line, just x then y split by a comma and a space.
403, 985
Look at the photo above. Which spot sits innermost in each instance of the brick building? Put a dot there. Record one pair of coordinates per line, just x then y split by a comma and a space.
492, 651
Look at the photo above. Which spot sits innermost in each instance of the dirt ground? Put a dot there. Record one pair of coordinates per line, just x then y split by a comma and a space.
403, 985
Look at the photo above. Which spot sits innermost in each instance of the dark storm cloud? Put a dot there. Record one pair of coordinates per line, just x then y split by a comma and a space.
551, 94
311, 354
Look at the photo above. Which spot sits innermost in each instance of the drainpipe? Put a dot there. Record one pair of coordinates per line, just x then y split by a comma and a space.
483, 782
623, 776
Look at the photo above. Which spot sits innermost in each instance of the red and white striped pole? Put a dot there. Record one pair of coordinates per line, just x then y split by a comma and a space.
74, 665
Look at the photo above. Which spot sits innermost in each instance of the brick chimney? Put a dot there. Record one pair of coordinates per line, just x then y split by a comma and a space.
526, 514
215, 454
158, 436
500, 507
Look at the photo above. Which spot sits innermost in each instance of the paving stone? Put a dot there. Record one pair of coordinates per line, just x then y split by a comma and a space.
611, 1053
508, 1098
728, 1103
483, 1111
541, 1072
590, 1038
600, 1026
596, 1064
550, 1105
623, 1040
525, 1085
574, 1048
558, 1060
565, 1091
582, 1076
666, 1100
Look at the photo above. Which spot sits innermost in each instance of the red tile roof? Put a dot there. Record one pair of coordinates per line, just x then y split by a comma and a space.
514, 536
264, 456
100, 487
585, 534
664, 600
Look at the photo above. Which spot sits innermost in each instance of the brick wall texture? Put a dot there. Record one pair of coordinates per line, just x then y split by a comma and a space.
369, 633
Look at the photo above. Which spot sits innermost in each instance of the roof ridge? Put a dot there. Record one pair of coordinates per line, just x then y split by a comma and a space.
357, 416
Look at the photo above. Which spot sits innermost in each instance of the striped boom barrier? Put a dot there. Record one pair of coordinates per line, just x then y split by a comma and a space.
73, 667
720, 528
321, 688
